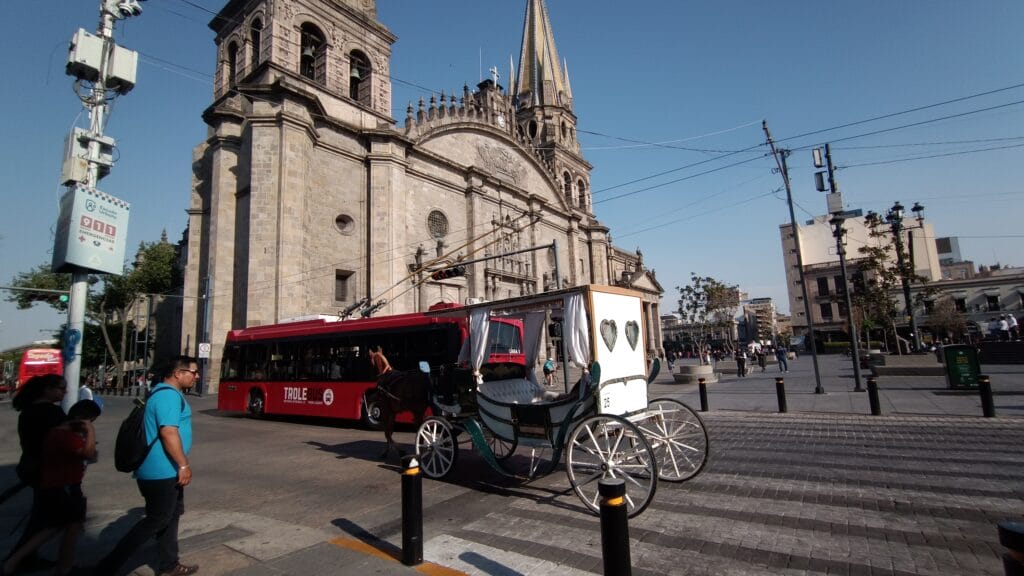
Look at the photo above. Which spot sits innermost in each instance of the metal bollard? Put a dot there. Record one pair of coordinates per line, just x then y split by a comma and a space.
412, 512
876, 408
988, 407
703, 387
1011, 535
780, 391
614, 527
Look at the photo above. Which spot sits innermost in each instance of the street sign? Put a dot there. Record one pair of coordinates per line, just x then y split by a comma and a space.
204, 349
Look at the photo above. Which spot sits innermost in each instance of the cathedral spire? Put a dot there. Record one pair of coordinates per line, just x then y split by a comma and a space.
541, 80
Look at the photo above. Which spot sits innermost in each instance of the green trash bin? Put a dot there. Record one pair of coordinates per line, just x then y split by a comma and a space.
962, 366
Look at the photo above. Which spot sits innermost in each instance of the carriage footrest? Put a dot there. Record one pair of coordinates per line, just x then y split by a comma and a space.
476, 434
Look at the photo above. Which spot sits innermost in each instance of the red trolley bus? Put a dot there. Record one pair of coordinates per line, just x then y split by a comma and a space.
40, 361
321, 367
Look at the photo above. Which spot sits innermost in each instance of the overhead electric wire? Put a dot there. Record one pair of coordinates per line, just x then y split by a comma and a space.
880, 162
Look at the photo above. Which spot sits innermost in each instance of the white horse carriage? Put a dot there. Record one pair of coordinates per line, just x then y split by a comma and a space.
605, 422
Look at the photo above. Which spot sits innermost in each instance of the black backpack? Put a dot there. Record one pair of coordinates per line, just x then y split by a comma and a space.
130, 447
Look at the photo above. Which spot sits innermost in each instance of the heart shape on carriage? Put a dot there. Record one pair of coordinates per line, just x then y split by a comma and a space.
632, 333
609, 333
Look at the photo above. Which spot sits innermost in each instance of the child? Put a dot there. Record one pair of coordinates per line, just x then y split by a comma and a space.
65, 450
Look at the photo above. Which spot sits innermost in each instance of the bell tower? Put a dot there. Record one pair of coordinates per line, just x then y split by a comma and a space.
335, 48
544, 107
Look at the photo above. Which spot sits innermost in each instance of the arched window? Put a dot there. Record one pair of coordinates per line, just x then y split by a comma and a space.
232, 63
255, 38
567, 188
313, 54
359, 77
581, 188
532, 129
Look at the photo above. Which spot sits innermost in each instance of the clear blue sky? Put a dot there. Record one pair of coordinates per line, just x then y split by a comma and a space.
696, 77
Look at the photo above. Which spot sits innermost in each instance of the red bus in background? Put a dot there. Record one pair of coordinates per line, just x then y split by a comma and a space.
39, 361
321, 367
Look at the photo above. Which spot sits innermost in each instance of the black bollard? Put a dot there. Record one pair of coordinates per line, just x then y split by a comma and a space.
1011, 535
876, 408
703, 387
780, 391
988, 408
614, 527
412, 512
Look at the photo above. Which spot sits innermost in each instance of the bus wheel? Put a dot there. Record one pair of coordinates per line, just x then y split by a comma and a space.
256, 405
371, 413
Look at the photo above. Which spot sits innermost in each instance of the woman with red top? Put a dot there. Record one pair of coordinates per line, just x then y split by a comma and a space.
60, 502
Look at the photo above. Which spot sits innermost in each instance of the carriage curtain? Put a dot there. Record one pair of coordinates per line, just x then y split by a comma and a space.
575, 330
533, 330
479, 326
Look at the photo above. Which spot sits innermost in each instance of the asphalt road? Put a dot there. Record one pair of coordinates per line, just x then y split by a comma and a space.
807, 492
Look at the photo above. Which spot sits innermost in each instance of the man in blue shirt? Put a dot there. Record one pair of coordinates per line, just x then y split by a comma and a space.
164, 474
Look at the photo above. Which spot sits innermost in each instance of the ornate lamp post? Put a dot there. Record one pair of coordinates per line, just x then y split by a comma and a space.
839, 232
895, 219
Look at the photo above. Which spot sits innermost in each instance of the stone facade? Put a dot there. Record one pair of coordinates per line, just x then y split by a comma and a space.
308, 197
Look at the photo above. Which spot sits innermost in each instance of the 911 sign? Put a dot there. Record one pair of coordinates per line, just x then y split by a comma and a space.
91, 232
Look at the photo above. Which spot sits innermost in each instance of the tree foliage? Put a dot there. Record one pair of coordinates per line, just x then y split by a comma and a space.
879, 276
946, 320
41, 278
154, 272
708, 305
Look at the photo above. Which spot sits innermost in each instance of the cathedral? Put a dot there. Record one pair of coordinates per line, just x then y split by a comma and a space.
309, 198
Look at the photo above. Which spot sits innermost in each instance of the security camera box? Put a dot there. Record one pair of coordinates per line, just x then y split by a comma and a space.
121, 74
85, 56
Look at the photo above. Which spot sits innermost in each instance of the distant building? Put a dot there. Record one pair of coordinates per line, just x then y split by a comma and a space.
825, 287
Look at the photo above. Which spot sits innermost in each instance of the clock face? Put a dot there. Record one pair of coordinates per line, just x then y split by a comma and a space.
501, 120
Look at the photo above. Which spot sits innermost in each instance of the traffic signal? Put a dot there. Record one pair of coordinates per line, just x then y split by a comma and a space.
120, 9
451, 272
63, 298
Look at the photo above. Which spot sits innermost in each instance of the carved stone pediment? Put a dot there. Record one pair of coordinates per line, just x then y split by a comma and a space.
501, 161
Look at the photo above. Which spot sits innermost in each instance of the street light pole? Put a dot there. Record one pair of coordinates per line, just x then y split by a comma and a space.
780, 159
895, 218
837, 221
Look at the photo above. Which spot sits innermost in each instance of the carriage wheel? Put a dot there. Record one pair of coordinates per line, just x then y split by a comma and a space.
678, 437
436, 447
501, 448
371, 413
608, 446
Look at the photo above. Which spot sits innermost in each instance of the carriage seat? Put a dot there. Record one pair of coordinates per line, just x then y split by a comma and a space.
513, 391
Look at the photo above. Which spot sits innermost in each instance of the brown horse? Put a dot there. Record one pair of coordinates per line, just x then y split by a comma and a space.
398, 391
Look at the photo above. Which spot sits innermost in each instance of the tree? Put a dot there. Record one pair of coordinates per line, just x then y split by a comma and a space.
41, 278
946, 321
708, 305
155, 272
880, 277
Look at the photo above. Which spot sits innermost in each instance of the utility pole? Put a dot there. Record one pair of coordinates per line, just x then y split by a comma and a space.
780, 159
835, 208
91, 59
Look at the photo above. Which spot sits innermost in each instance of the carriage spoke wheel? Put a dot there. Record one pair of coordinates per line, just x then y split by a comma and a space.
678, 437
436, 447
608, 446
500, 447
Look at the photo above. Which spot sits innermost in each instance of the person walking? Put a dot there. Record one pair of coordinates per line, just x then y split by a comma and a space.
780, 355
65, 451
37, 401
549, 372
761, 360
741, 362
164, 474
